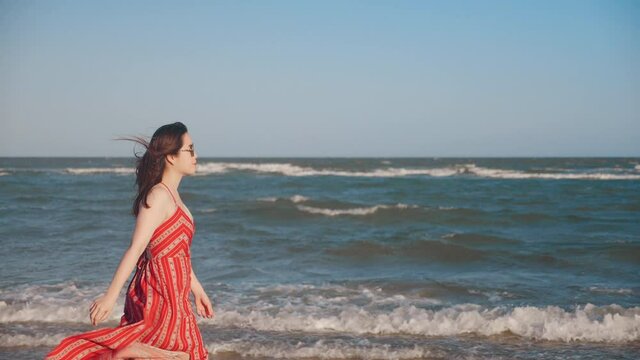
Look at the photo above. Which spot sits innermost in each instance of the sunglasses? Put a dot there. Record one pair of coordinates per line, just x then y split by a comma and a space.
191, 150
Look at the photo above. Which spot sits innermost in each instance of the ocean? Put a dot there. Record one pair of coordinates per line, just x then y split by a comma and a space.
346, 258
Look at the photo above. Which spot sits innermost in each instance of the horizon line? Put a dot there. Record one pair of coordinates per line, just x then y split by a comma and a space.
349, 157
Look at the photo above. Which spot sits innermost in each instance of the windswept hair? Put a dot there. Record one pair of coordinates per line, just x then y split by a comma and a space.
167, 140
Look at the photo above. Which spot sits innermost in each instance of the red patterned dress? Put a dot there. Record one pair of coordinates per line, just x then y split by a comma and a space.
157, 311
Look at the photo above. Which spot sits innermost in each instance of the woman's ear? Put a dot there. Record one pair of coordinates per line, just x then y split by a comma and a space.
169, 159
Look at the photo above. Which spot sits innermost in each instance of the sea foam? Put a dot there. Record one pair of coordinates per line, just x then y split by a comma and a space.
471, 169
585, 323
104, 170
320, 349
352, 211
336, 309
288, 169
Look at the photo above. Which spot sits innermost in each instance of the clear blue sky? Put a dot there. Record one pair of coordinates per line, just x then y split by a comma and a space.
323, 78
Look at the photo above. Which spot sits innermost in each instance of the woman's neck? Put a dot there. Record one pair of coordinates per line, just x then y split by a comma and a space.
172, 180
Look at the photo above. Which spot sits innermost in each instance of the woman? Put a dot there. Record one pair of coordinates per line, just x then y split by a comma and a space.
158, 321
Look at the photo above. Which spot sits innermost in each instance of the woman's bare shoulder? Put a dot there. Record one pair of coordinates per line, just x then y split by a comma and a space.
159, 199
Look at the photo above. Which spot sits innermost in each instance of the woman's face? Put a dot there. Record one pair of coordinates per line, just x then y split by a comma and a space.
184, 162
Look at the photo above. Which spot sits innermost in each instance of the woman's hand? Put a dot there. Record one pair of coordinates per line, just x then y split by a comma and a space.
100, 309
203, 304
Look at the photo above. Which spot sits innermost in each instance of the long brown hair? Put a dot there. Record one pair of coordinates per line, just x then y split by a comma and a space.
167, 140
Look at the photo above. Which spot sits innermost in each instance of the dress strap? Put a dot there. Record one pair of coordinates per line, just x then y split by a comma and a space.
174, 199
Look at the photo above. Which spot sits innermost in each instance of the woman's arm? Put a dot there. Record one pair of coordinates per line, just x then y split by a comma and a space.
196, 287
146, 223
203, 303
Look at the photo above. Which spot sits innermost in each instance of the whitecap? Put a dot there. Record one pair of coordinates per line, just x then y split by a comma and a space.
352, 211
91, 171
